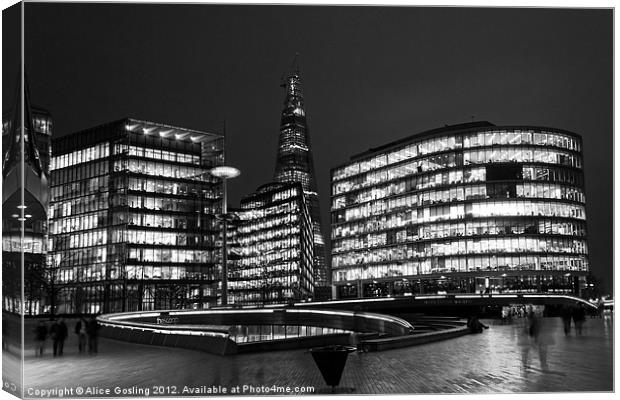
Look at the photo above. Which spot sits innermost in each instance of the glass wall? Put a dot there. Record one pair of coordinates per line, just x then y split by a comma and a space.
275, 241
496, 200
133, 224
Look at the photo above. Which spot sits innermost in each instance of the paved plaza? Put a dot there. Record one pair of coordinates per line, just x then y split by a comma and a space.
500, 360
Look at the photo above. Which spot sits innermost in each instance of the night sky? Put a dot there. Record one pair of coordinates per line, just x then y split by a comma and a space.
371, 75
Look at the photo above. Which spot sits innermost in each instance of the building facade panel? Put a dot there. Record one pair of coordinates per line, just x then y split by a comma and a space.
274, 240
132, 217
471, 203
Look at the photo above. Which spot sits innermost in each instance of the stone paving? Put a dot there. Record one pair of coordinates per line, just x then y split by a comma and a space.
500, 360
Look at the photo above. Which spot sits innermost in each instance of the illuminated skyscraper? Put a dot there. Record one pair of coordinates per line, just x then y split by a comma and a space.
132, 217
274, 237
294, 164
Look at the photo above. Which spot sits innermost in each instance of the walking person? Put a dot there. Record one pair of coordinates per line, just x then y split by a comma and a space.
59, 333
540, 337
40, 336
566, 313
91, 329
54, 330
80, 330
579, 317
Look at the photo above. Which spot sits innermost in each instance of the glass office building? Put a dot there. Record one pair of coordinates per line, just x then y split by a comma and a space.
465, 208
294, 163
27, 213
132, 221
274, 241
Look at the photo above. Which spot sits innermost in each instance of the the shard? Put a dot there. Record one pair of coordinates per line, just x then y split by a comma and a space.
294, 164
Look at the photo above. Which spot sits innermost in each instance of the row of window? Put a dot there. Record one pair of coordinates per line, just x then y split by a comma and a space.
271, 257
97, 272
375, 250
79, 223
488, 156
489, 190
168, 238
285, 281
80, 239
503, 208
158, 154
491, 226
168, 221
177, 272
96, 185
379, 186
170, 255
14, 244
377, 223
463, 264
445, 143
95, 152
84, 171
171, 204
82, 257
269, 235
253, 248
79, 205
294, 175
263, 219
174, 188
271, 273
270, 198
154, 168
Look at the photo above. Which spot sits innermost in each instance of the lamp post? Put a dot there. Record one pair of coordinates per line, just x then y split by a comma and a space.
224, 173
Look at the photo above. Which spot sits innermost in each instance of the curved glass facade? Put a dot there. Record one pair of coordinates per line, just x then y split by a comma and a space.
466, 208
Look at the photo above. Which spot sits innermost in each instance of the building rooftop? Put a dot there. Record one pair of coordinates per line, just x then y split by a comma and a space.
457, 128
110, 130
432, 132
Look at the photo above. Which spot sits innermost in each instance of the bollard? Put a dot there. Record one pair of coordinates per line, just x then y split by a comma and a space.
331, 361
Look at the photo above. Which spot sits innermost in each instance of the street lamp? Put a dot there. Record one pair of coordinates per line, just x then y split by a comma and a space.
224, 173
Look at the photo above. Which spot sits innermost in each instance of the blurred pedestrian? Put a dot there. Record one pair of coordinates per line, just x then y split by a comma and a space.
541, 337
92, 328
5, 333
579, 317
504, 315
600, 308
40, 336
59, 333
80, 330
566, 313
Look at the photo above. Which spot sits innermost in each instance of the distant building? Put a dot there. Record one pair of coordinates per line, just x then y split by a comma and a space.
274, 242
465, 208
294, 163
27, 213
132, 221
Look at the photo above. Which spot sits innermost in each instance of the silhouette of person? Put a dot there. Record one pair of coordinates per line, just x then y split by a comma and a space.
92, 327
80, 330
579, 317
566, 313
59, 333
40, 336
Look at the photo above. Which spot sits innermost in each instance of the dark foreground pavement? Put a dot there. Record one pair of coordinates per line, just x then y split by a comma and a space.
501, 360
